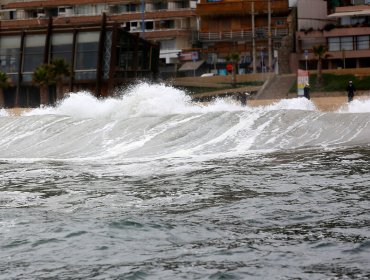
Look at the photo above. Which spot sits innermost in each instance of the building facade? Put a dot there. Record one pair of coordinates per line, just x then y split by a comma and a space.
345, 31
170, 23
253, 29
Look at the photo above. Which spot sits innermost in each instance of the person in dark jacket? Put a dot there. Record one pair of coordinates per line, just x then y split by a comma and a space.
306, 91
351, 90
242, 97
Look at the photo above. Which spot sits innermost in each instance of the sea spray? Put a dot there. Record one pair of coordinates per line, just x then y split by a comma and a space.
356, 106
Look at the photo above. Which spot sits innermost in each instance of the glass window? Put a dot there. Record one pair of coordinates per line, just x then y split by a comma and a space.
144, 52
33, 52
167, 24
346, 43
160, 5
345, 20
101, 8
334, 44
363, 42
86, 55
61, 46
84, 10
125, 53
149, 25
9, 53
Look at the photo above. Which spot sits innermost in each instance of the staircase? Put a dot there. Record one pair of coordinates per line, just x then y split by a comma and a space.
277, 87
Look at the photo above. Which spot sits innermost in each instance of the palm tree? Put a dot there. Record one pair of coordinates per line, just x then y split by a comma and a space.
319, 51
60, 71
43, 76
4, 83
234, 59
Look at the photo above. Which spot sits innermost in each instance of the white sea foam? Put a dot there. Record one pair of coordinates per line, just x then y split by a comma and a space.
293, 104
3, 113
140, 100
147, 99
356, 106
12, 199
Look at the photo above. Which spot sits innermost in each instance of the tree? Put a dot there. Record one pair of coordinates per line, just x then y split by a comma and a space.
60, 71
234, 59
319, 51
43, 76
4, 83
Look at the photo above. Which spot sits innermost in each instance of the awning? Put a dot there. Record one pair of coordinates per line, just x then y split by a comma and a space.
7, 10
191, 65
350, 14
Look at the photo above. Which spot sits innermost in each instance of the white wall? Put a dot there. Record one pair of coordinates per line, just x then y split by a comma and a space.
292, 3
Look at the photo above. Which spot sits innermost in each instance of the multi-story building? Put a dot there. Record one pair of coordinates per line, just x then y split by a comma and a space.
99, 51
170, 23
254, 29
345, 31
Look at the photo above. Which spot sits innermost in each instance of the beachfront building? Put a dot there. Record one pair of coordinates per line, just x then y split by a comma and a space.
101, 53
342, 26
96, 27
257, 31
170, 23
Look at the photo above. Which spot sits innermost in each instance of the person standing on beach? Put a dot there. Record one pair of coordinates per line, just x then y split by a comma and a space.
351, 91
306, 91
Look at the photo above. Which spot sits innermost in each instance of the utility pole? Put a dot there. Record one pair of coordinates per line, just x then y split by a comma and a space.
253, 40
269, 37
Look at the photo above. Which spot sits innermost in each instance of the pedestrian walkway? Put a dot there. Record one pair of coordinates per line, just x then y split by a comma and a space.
277, 87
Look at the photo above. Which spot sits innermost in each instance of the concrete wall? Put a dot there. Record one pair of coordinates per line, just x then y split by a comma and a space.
312, 14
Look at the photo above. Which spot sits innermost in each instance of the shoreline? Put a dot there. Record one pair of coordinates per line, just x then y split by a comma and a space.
325, 104
322, 103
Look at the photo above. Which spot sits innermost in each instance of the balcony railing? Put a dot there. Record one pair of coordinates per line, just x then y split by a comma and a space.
246, 35
239, 7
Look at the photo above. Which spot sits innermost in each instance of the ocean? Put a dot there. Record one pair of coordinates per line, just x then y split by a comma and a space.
149, 185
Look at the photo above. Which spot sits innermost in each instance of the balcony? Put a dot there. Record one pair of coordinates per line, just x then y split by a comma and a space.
336, 32
245, 35
170, 33
239, 7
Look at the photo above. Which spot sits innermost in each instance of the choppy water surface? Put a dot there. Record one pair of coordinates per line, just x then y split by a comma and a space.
150, 186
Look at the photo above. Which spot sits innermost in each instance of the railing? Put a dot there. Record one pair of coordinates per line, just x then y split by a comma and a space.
239, 7
260, 34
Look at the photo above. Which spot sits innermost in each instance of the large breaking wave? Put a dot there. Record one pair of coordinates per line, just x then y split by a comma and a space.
151, 121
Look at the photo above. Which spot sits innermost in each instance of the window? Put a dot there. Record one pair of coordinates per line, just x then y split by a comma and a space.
143, 56
33, 52
125, 53
86, 55
334, 44
363, 42
167, 24
61, 46
149, 25
9, 53
85, 10
346, 43
160, 5
65, 11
